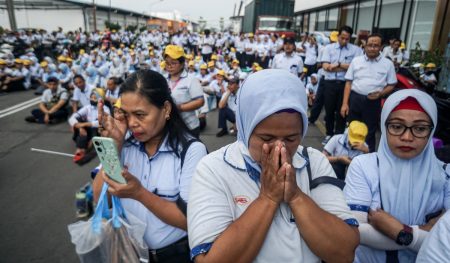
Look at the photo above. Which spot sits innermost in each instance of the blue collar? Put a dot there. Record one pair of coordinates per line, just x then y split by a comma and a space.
164, 147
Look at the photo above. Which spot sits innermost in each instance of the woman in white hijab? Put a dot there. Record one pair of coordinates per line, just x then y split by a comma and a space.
252, 201
398, 192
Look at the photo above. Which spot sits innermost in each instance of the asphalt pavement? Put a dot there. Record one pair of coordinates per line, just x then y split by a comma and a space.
37, 190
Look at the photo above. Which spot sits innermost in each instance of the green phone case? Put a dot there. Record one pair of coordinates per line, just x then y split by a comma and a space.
107, 153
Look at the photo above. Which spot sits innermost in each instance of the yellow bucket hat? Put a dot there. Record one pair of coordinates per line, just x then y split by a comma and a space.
174, 52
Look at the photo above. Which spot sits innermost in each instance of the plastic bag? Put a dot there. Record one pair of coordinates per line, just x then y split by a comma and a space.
110, 239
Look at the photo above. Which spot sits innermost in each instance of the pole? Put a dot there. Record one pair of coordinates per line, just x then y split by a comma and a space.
11, 14
95, 16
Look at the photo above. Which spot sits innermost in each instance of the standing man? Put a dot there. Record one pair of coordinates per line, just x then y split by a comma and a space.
336, 59
369, 78
288, 59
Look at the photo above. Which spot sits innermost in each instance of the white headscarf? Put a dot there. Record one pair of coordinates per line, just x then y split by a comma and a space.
262, 94
406, 185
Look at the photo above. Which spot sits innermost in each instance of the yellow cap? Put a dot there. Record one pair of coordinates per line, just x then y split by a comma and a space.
235, 61
174, 52
118, 103
162, 65
119, 52
27, 62
152, 53
82, 51
44, 64
255, 64
99, 93
305, 70
2, 62
132, 46
198, 58
232, 49
18, 61
191, 63
357, 132
250, 34
69, 59
203, 66
430, 65
189, 56
258, 68
211, 64
62, 58
402, 45
214, 57
334, 36
114, 31
221, 72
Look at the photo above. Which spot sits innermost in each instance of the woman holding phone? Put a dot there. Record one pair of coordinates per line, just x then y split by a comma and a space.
159, 160
398, 192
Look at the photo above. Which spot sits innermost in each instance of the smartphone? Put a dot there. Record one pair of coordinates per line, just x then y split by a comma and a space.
107, 153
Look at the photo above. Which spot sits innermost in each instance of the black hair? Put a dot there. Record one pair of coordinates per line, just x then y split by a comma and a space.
78, 76
346, 29
52, 79
397, 40
154, 88
375, 35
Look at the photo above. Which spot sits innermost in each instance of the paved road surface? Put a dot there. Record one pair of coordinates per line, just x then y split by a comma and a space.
37, 190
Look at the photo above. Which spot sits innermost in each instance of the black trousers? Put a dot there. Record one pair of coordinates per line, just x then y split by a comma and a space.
226, 114
333, 93
249, 59
240, 56
311, 69
263, 63
60, 114
367, 111
206, 57
178, 252
83, 141
318, 103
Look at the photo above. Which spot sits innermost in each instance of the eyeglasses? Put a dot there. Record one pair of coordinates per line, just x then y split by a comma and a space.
418, 131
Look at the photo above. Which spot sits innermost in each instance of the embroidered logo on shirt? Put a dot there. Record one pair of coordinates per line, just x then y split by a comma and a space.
241, 200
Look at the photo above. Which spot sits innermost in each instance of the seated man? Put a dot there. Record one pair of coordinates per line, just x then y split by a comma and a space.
53, 104
16, 79
342, 148
228, 106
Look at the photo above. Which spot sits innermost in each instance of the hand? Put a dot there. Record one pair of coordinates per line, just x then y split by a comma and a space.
360, 146
345, 159
428, 226
385, 223
291, 189
374, 95
110, 127
132, 189
344, 110
82, 131
272, 175
47, 118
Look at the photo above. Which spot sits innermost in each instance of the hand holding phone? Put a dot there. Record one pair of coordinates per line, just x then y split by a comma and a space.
107, 153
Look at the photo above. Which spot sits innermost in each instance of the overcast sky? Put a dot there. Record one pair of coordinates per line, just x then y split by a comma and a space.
211, 10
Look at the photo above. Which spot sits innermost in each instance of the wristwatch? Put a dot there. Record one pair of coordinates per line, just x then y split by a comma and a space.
405, 236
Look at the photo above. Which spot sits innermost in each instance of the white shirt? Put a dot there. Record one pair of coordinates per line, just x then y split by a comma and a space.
50, 98
83, 97
187, 89
251, 46
334, 53
222, 190
338, 145
207, 44
292, 63
370, 75
311, 54
162, 175
87, 113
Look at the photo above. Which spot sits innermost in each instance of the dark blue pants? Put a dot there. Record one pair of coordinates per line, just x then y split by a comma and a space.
333, 93
367, 111
226, 114
59, 114
318, 103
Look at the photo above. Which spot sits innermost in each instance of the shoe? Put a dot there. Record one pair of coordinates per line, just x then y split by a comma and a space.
222, 133
232, 131
78, 157
325, 141
31, 119
81, 205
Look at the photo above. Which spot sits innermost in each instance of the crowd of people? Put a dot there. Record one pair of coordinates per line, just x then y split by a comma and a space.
266, 197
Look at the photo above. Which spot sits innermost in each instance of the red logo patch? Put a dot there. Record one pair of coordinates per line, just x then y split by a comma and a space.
241, 200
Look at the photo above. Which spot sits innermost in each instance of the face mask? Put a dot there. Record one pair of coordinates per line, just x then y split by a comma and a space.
94, 103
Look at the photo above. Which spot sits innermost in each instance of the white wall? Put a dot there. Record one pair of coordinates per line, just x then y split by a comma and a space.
46, 19
301, 5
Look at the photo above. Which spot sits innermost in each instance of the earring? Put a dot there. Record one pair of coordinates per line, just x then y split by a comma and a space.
167, 117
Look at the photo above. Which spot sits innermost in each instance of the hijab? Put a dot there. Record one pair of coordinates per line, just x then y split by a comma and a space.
262, 94
406, 184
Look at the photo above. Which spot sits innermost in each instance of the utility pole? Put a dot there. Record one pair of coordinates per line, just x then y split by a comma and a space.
94, 14
11, 14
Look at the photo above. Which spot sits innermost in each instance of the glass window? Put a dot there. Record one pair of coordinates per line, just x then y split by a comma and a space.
365, 17
312, 22
305, 22
333, 14
321, 20
391, 14
405, 20
422, 23
348, 12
